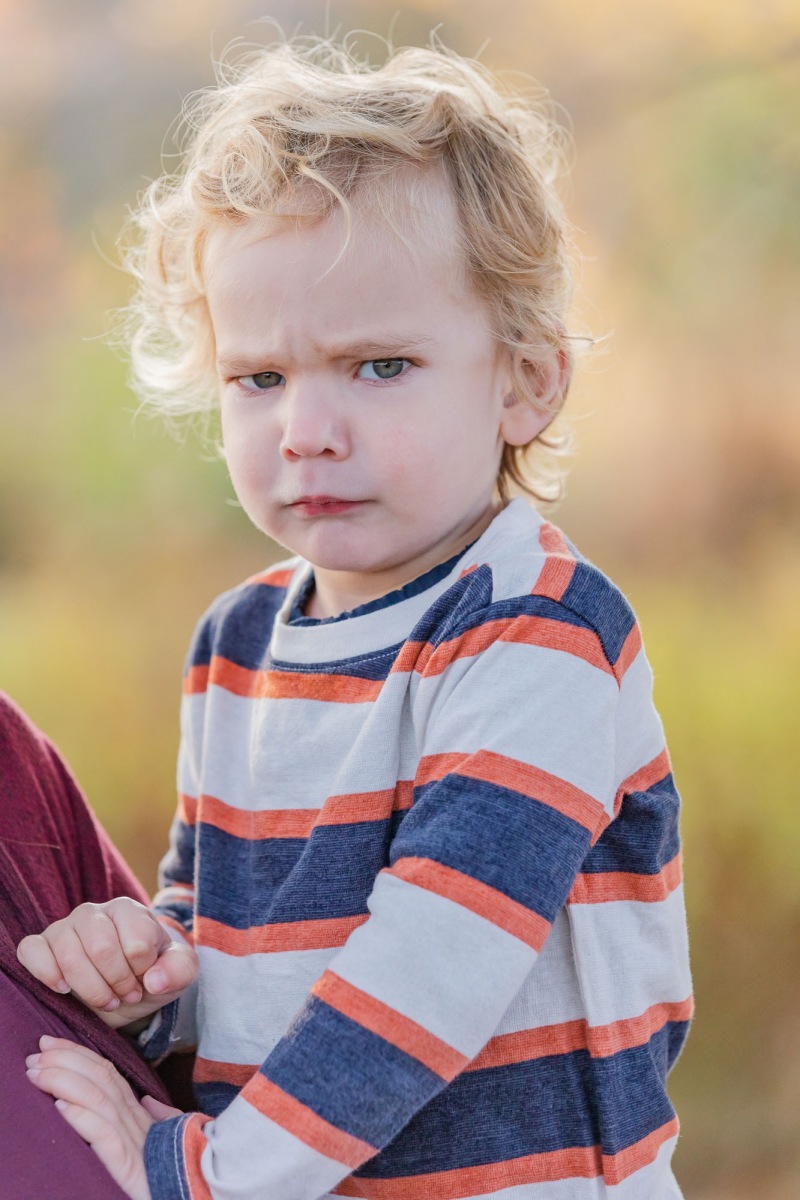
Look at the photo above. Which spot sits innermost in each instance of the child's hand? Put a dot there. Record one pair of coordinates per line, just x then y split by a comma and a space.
116, 957
99, 1105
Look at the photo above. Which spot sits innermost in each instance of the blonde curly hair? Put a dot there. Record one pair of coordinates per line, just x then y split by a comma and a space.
306, 113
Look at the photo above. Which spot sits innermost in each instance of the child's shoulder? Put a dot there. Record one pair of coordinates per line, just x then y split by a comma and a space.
243, 615
527, 568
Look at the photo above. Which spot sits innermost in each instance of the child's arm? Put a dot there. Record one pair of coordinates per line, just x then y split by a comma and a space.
116, 957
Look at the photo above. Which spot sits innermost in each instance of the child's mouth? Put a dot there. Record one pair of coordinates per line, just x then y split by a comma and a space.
320, 506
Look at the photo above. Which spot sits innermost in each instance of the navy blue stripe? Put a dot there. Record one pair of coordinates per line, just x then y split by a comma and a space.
644, 837
244, 883
238, 626
214, 1098
534, 1107
374, 666
520, 846
602, 604
349, 1076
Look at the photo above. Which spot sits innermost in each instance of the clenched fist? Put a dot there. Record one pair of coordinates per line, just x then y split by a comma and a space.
116, 957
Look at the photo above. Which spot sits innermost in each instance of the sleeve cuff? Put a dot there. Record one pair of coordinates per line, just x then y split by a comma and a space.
173, 1028
164, 1160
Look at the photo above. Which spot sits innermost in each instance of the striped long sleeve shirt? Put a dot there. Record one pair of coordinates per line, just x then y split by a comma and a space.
428, 855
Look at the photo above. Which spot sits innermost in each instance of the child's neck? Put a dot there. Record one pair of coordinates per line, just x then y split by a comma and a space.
337, 592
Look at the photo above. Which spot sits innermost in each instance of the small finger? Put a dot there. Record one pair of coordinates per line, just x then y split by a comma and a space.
36, 956
141, 936
174, 970
101, 942
79, 971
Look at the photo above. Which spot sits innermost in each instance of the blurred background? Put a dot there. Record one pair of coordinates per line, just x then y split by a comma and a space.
686, 486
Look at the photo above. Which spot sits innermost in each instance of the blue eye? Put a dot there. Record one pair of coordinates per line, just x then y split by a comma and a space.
262, 381
382, 368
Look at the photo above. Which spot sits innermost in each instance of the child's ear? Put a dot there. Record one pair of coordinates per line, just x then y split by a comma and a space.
546, 382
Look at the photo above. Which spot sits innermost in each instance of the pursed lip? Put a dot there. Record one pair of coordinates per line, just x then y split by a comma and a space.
316, 506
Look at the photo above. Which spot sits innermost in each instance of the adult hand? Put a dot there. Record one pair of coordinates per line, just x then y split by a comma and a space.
116, 957
98, 1103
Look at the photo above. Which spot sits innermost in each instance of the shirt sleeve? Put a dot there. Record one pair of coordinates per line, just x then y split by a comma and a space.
516, 780
174, 1027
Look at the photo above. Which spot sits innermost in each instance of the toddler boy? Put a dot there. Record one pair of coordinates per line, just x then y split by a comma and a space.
427, 848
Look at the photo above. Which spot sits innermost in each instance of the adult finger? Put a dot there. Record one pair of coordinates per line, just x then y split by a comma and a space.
36, 956
74, 1073
123, 1161
158, 1110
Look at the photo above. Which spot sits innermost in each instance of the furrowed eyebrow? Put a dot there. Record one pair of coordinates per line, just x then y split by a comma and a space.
381, 345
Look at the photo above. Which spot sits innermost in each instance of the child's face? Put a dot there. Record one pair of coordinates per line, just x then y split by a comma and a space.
362, 399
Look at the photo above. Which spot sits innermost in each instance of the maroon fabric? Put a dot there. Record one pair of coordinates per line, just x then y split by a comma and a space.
54, 855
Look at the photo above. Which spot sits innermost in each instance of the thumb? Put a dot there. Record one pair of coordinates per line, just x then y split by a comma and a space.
174, 969
157, 1110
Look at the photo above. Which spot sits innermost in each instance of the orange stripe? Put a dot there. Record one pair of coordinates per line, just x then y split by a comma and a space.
278, 579
521, 777
600, 1040
195, 680
597, 888
392, 1026
300, 822
525, 630
630, 648
646, 777
559, 566
209, 1070
270, 939
485, 901
261, 823
468, 570
289, 685
412, 656
367, 806
194, 1143
550, 1167
301, 1121
617, 1167
187, 808
605, 1040
528, 1044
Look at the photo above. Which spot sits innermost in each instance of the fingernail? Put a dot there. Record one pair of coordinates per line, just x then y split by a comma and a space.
133, 997
112, 1004
155, 981
61, 1104
32, 1072
32, 1060
62, 986
45, 1041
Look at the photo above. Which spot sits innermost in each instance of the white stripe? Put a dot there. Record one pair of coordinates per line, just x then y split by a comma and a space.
439, 964
275, 754
550, 994
275, 987
519, 701
250, 1156
630, 955
643, 737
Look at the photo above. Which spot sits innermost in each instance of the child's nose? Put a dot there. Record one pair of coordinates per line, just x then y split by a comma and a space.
313, 424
